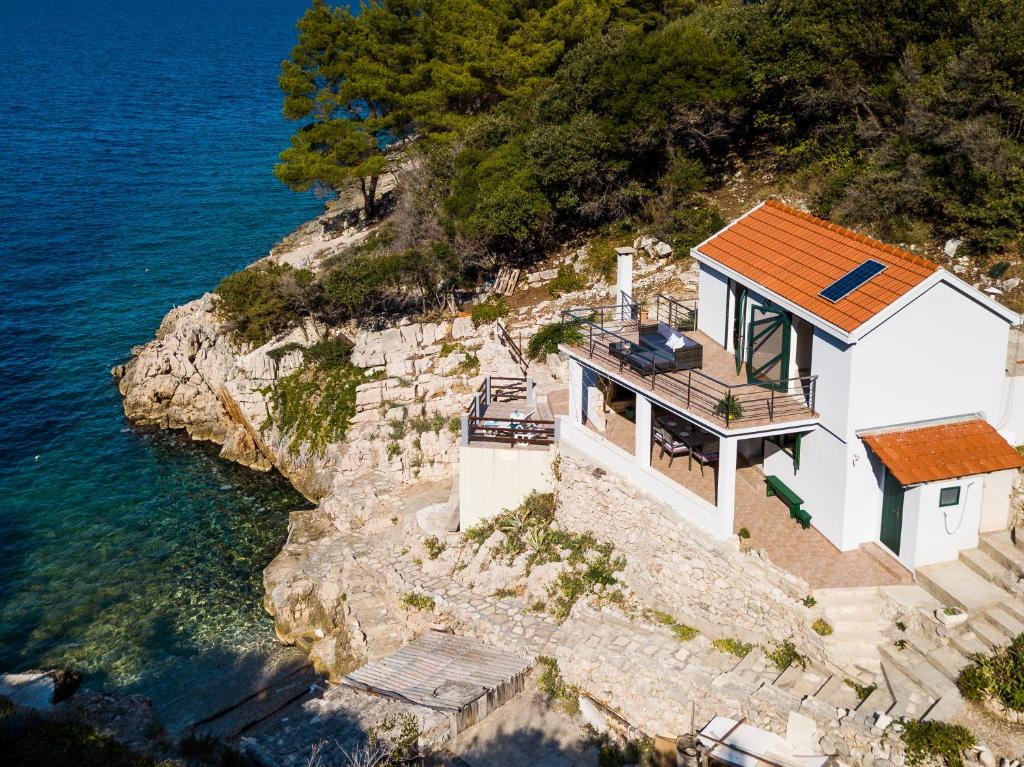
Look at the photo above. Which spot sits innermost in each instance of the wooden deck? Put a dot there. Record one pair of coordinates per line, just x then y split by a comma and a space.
692, 392
457, 675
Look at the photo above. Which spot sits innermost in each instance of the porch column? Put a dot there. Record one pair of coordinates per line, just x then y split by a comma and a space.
575, 391
643, 431
726, 484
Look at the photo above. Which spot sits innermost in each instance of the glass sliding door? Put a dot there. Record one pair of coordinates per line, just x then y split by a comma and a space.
768, 347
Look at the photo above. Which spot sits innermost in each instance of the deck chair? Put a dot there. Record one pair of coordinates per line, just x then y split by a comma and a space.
669, 444
704, 455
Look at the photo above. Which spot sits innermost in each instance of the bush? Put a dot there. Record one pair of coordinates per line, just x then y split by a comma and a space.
998, 269
490, 310
546, 340
925, 741
257, 304
743, 534
822, 627
1000, 674
553, 686
567, 281
862, 690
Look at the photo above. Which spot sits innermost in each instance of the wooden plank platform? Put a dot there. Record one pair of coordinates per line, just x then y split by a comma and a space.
446, 673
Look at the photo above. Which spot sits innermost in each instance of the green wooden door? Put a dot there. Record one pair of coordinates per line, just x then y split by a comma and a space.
768, 347
892, 513
739, 324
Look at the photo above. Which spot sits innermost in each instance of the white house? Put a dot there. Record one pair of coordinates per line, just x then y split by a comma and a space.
856, 381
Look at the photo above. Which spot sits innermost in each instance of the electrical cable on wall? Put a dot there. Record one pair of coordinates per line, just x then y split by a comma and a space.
963, 511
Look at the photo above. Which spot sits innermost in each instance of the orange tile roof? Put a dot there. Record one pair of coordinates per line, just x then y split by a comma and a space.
796, 256
945, 451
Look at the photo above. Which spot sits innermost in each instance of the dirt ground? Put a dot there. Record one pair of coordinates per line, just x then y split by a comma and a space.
1003, 738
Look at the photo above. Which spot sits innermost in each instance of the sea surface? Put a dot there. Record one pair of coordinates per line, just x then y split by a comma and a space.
136, 146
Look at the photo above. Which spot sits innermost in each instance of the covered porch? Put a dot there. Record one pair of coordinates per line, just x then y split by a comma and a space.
724, 475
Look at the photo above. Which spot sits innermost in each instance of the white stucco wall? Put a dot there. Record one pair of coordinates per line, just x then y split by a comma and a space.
995, 500
713, 302
943, 355
937, 534
492, 479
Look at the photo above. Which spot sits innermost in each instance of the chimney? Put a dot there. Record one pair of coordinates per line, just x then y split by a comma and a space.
624, 279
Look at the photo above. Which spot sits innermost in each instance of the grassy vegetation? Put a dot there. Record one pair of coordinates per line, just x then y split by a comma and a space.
681, 631
316, 403
862, 690
568, 280
434, 546
489, 310
926, 742
822, 627
733, 647
418, 601
529, 529
553, 686
999, 674
784, 654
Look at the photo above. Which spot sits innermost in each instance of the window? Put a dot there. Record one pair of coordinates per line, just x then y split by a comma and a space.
949, 496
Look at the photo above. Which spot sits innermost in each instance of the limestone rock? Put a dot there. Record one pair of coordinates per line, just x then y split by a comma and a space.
33, 690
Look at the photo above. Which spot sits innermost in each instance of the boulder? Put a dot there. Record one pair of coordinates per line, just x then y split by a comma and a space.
30, 690
462, 327
438, 518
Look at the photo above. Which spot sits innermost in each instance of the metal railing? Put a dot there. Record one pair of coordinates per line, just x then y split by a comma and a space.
604, 339
515, 350
681, 315
478, 426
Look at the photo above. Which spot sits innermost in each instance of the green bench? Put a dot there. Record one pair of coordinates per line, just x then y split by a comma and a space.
776, 487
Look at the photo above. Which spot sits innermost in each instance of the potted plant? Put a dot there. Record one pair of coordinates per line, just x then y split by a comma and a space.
729, 408
950, 616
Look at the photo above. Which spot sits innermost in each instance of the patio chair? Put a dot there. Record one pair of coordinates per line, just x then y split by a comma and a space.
669, 444
704, 454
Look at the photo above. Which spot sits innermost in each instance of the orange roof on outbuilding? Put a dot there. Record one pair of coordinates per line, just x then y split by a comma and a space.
796, 256
944, 451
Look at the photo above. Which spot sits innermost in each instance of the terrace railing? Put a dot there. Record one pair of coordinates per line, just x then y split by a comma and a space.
514, 349
613, 342
681, 315
478, 426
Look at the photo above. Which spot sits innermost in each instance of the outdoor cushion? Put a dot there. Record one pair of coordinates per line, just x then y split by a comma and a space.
665, 330
676, 341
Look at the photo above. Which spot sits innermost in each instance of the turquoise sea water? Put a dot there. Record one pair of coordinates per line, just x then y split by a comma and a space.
136, 146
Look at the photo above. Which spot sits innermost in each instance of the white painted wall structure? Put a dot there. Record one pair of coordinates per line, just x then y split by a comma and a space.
938, 352
492, 479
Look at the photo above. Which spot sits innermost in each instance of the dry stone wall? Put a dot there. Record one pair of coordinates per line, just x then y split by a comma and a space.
675, 568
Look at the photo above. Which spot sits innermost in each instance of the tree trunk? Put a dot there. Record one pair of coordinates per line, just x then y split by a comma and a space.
368, 186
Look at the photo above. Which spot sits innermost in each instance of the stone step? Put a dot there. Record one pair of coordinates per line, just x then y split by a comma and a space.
912, 701
1006, 621
988, 633
1014, 606
878, 702
954, 583
999, 546
967, 643
920, 670
836, 692
986, 566
944, 709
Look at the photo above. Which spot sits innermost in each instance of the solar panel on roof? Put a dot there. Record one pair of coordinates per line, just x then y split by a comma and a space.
852, 280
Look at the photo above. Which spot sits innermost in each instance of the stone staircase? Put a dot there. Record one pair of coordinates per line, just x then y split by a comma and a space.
930, 655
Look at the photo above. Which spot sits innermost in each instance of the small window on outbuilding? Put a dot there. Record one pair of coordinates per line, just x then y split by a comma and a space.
949, 496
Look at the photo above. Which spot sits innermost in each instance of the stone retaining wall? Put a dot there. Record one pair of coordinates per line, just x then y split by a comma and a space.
676, 568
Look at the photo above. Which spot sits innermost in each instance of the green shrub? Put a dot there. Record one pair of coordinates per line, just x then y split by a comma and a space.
434, 546
733, 647
743, 534
601, 259
547, 339
681, 631
553, 686
784, 654
315, 405
490, 310
470, 366
635, 752
505, 593
998, 269
259, 303
568, 280
999, 674
925, 741
862, 690
418, 601
729, 408
396, 738
822, 627
451, 347
809, 601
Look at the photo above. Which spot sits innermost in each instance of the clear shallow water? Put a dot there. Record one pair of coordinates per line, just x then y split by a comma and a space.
136, 146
